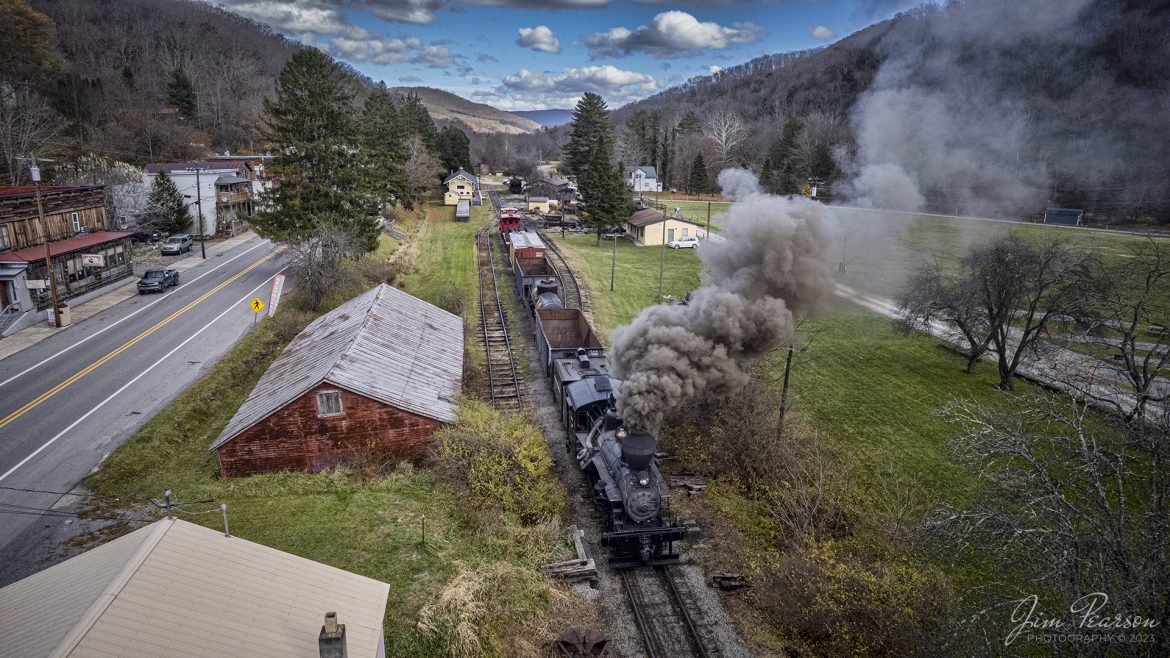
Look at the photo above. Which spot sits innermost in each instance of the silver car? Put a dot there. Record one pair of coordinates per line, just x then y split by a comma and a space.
176, 244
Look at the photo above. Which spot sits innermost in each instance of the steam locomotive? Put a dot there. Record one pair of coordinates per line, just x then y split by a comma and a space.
629, 492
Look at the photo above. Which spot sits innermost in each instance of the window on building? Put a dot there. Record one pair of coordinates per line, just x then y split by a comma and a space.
76, 217
329, 404
5, 239
684, 231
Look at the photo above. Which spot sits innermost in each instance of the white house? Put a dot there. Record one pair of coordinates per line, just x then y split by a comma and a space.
225, 190
643, 179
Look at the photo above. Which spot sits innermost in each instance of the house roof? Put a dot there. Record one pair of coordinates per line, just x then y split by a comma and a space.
537, 199
207, 166
58, 247
178, 589
230, 179
384, 344
30, 189
461, 174
648, 216
650, 172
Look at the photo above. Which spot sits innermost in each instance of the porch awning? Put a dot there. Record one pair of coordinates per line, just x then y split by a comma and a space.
61, 247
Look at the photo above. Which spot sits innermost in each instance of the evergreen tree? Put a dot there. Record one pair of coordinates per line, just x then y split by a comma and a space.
822, 165
454, 149
383, 151
181, 93
766, 174
311, 123
690, 124
604, 190
590, 125
697, 181
416, 120
166, 210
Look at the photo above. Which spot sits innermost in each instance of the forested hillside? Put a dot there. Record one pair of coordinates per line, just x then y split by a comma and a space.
992, 107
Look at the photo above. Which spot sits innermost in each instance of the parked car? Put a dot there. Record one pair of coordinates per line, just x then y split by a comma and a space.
146, 236
686, 242
157, 280
176, 244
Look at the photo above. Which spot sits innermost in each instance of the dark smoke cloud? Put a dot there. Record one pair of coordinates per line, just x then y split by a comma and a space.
768, 263
1000, 107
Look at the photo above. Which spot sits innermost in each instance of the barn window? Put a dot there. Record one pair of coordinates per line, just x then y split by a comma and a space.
329, 404
76, 221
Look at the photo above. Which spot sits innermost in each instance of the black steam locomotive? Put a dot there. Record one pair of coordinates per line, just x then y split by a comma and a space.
628, 490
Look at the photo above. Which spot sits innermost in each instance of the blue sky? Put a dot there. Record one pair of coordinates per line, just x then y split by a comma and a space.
540, 54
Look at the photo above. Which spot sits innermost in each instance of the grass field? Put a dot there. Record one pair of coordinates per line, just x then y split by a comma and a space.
446, 255
636, 276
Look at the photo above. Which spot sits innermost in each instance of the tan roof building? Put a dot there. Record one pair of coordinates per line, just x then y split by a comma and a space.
651, 227
177, 589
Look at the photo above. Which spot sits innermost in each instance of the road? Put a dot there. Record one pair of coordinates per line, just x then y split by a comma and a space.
68, 401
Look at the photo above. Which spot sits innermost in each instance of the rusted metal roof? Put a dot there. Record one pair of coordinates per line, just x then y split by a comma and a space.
68, 245
384, 344
173, 588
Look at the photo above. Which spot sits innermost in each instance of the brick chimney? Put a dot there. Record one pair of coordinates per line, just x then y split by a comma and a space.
332, 639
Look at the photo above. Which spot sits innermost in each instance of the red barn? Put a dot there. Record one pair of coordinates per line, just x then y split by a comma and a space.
375, 377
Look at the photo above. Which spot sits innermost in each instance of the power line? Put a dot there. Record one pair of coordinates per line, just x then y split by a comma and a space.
70, 493
35, 511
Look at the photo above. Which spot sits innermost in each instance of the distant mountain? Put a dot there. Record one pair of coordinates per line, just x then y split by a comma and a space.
446, 107
547, 118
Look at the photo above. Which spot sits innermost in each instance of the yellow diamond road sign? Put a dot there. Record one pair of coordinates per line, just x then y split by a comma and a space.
257, 305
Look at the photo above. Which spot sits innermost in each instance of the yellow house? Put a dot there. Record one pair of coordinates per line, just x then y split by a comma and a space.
461, 186
538, 204
647, 228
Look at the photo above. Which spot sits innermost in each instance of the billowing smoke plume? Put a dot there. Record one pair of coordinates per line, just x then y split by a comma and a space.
766, 264
1000, 107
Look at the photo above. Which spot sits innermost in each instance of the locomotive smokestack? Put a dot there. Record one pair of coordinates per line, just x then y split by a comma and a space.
767, 263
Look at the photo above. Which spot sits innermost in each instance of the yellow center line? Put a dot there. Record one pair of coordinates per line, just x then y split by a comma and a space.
125, 346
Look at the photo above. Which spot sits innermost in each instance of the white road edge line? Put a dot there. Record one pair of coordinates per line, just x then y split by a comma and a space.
233, 307
104, 329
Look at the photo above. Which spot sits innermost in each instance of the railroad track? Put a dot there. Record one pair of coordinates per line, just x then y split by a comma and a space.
504, 386
568, 281
667, 615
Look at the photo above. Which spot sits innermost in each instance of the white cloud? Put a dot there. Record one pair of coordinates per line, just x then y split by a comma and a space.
713, 69
821, 32
670, 34
392, 51
539, 38
328, 16
526, 90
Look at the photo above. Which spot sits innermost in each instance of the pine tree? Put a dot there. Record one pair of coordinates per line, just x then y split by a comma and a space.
166, 210
453, 148
589, 126
697, 181
603, 187
181, 93
416, 120
383, 151
312, 125
766, 174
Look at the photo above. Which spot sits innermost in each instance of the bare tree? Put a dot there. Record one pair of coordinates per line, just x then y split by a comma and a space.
1021, 287
937, 294
1128, 304
27, 125
727, 131
318, 264
422, 167
1074, 505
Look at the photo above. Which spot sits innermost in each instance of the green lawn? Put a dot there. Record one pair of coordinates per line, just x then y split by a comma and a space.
636, 276
446, 255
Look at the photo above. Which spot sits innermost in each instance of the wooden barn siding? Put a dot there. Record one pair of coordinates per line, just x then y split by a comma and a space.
27, 233
296, 439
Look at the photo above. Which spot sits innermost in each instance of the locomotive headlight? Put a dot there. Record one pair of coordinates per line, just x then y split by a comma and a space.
644, 481
621, 433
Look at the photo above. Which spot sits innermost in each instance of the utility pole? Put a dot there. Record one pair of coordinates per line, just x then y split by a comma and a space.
784, 394
199, 199
613, 263
35, 172
708, 229
662, 256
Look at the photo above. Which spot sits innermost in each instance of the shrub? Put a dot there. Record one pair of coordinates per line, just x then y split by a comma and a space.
504, 461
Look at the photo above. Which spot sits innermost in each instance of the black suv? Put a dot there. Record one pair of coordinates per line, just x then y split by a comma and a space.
157, 280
